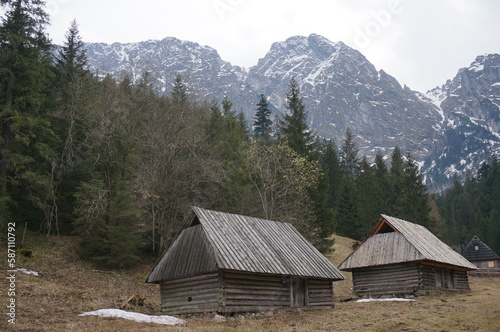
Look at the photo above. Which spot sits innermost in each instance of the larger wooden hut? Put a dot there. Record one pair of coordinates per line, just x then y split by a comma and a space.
400, 257
228, 263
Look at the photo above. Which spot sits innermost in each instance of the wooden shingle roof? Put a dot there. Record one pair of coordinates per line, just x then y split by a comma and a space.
241, 243
477, 250
394, 240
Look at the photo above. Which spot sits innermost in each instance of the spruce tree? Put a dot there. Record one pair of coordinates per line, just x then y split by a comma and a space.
26, 136
227, 108
414, 198
262, 124
472, 208
294, 128
347, 213
330, 166
74, 89
107, 201
349, 156
369, 195
228, 137
487, 209
71, 61
383, 190
409, 199
179, 94
396, 179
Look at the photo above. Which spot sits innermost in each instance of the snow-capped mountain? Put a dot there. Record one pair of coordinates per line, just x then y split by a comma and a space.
341, 90
201, 67
470, 104
451, 128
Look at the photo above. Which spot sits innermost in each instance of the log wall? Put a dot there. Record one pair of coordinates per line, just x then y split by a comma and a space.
441, 278
195, 294
461, 280
391, 279
246, 292
407, 278
320, 294
231, 291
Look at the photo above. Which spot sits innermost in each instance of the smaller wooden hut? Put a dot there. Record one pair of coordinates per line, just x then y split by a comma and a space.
483, 257
228, 263
401, 258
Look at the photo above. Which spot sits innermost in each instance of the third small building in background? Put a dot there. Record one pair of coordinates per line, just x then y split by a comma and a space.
483, 257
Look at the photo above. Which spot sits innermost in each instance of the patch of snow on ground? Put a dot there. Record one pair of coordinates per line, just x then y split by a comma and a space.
141, 318
23, 270
388, 299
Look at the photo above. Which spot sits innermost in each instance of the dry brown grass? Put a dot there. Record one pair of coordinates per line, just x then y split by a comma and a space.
67, 287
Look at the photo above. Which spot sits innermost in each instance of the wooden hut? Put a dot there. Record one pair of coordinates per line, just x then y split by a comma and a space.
483, 257
228, 263
401, 258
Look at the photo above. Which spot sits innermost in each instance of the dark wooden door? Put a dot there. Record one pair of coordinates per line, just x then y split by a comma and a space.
298, 293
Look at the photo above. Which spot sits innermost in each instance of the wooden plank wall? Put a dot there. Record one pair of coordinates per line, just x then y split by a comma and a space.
320, 293
246, 292
195, 294
231, 291
460, 282
428, 277
391, 279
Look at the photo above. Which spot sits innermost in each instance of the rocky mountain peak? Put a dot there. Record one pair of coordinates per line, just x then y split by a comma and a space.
341, 90
470, 103
163, 60
452, 128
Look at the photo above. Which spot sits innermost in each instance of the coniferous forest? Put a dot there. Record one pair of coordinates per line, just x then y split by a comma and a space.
120, 166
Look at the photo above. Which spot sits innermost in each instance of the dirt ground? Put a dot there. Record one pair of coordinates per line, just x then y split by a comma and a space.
67, 287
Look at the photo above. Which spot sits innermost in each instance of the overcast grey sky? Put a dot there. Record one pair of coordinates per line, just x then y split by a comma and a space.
422, 43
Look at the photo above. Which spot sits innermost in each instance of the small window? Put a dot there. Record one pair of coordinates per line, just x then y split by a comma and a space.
491, 264
476, 248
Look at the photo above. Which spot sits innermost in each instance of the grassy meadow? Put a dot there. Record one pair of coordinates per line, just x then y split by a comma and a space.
67, 287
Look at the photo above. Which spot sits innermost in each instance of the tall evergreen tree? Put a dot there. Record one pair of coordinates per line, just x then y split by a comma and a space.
74, 88
472, 208
413, 201
330, 166
262, 124
26, 137
107, 203
227, 136
349, 156
179, 94
71, 61
227, 108
382, 191
369, 196
347, 213
396, 179
486, 202
457, 208
294, 127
